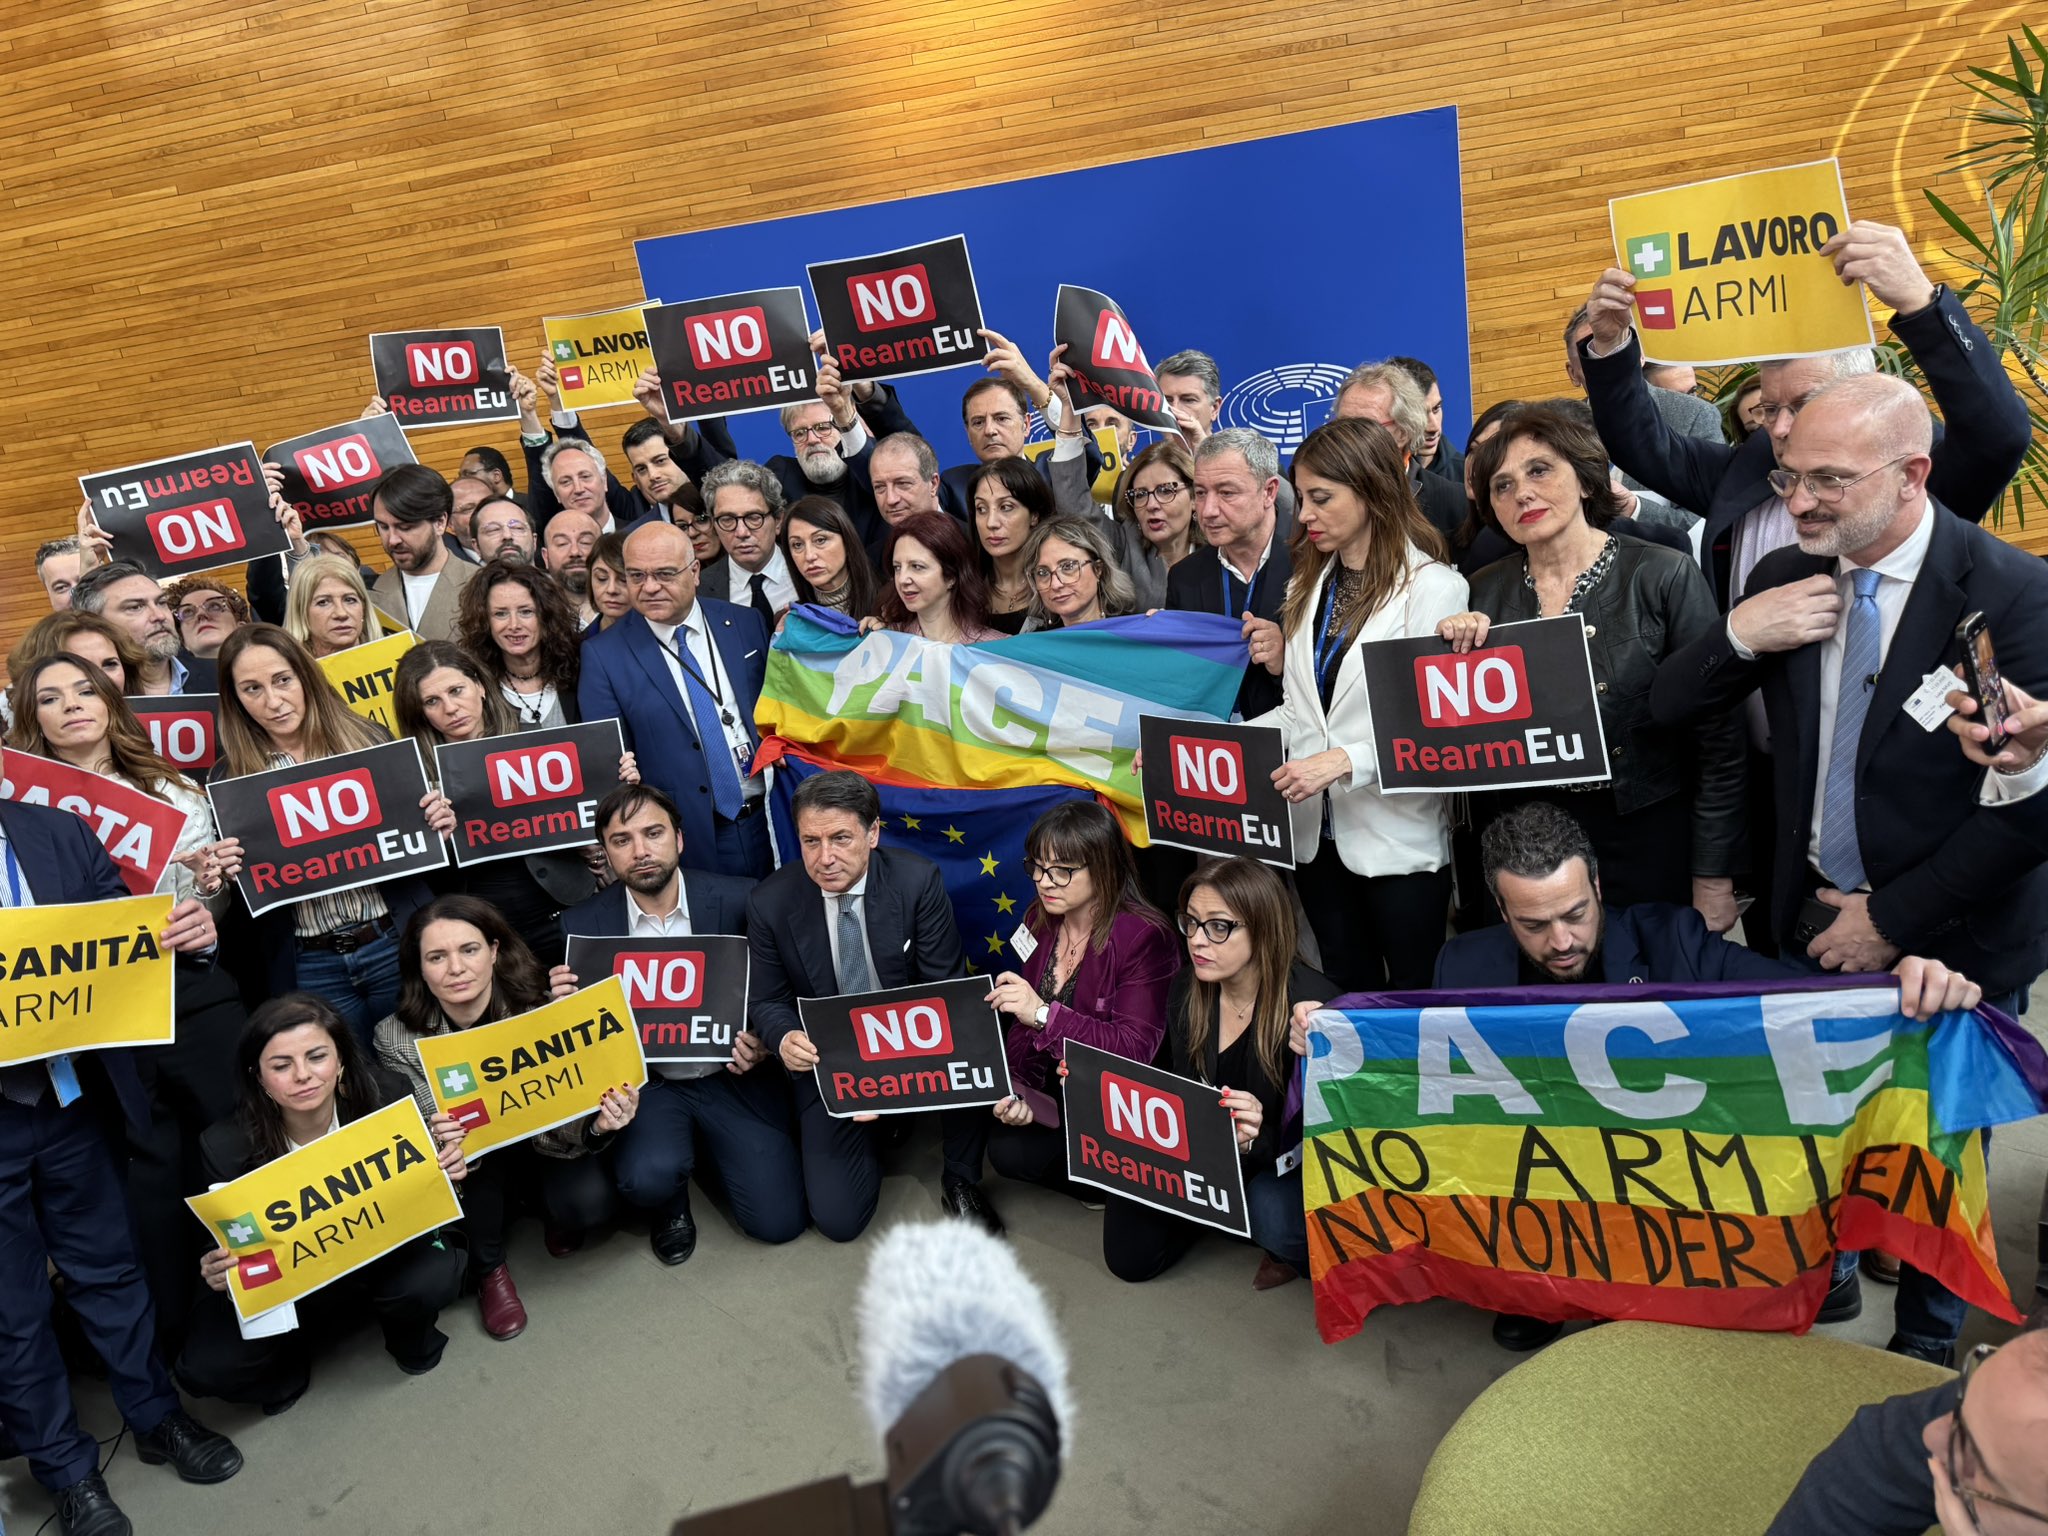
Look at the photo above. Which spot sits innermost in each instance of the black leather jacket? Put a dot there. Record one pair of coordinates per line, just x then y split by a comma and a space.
1651, 602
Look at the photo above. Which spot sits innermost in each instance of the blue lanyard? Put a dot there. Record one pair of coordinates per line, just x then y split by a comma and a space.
1329, 647
1251, 590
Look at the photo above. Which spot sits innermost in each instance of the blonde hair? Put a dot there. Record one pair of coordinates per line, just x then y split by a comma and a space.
298, 600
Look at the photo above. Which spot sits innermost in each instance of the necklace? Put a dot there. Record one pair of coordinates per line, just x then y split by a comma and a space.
1588, 579
529, 714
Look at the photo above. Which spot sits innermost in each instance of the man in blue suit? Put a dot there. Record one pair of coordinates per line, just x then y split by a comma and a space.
681, 673
1555, 930
61, 1204
739, 1112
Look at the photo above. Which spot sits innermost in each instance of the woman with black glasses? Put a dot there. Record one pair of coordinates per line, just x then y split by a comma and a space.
1153, 527
1226, 1024
1100, 973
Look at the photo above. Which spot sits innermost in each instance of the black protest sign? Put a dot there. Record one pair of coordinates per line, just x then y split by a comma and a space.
1152, 1137
1208, 786
529, 792
329, 825
689, 995
935, 1046
183, 727
900, 312
195, 512
736, 352
329, 474
1109, 366
1517, 712
443, 378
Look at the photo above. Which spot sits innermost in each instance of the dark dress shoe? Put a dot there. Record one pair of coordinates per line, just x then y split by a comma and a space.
674, 1238
560, 1244
1522, 1334
1844, 1301
966, 1200
1943, 1355
419, 1365
1273, 1273
199, 1454
87, 1509
498, 1299
283, 1404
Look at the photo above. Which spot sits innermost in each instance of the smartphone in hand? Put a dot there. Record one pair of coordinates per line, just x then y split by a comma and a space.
1982, 678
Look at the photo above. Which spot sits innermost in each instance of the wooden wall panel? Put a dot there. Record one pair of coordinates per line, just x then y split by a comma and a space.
209, 205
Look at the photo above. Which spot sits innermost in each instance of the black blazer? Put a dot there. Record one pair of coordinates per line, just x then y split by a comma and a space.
718, 904
1490, 544
202, 673
62, 862
1949, 878
1987, 433
911, 934
1195, 584
226, 1153
1651, 941
1277, 1132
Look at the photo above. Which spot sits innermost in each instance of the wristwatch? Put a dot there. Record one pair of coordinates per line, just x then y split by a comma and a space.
1044, 1012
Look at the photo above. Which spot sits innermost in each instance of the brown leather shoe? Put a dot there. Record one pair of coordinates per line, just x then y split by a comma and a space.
498, 1299
1273, 1274
1881, 1266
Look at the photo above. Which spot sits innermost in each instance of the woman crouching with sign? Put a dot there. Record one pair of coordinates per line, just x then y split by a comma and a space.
1666, 824
1098, 961
1226, 1023
277, 709
441, 694
1376, 879
300, 1075
460, 965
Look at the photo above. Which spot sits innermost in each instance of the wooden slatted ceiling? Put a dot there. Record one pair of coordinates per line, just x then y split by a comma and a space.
209, 205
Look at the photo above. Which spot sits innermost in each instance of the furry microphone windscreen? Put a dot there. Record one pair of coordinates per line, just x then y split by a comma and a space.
940, 1291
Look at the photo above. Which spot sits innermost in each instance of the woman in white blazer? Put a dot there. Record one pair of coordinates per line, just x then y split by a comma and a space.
1374, 871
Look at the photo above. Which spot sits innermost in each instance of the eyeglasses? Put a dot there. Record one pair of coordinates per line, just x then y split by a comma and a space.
1161, 493
1960, 1447
212, 608
823, 432
1824, 488
667, 576
1058, 876
727, 521
1217, 930
1064, 572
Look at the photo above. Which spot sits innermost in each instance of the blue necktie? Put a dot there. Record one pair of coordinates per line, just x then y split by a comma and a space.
726, 795
1841, 856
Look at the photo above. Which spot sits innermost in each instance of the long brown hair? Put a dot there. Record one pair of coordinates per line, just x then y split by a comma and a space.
355, 1089
560, 657
860, 597
331, 726
53, 631
1362, 457
413, 667
518, 984
1257, 898
1087, 833
133, 755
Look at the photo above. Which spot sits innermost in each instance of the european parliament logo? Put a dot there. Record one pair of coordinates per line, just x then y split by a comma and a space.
1284, 404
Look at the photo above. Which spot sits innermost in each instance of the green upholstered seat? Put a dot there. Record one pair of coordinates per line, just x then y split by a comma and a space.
1639, 1429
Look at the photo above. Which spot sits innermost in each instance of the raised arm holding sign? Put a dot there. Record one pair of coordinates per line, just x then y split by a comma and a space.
901, 312
194, 512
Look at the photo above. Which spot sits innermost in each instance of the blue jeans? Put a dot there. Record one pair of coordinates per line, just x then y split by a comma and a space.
362, 984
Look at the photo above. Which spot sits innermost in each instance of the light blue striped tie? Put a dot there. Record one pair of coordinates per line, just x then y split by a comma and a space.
1841, 856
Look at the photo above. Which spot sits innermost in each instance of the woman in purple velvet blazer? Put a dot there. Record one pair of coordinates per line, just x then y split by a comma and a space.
1104, 963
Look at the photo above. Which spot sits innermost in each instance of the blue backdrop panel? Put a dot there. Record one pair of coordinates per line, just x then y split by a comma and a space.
1287, 259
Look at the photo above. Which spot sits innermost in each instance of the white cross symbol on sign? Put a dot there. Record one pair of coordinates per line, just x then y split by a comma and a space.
239, 1234
455, 1080
1649, 258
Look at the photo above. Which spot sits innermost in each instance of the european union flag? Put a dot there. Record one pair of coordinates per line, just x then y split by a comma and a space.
975, 836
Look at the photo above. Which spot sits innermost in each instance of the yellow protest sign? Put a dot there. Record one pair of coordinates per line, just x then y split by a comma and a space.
507, 1081
597, 357
85, 976
304, 1220
365, 675
1729, 271
1104, 485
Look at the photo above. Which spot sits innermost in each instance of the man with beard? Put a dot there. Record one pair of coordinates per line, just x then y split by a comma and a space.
410, 509
1436, 455
745, 504
127, 596
596, 490
736, 1114
572, 535
503, 531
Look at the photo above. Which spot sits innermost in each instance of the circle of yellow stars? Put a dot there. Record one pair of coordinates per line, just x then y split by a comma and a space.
1004, 902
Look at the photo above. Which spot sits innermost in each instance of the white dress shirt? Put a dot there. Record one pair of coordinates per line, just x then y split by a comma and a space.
857, 894
781, 590
672, 924
739, 740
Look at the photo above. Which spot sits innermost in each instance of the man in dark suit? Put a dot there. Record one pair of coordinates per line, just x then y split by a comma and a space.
996, 412
1242, 571
854, 918
62, 1205
1556, 931
682, 673
1890, 840
1986, 433
585, 481
1388, 394
738, 1113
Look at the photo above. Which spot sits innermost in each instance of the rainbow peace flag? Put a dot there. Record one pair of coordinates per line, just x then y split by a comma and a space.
1680, 1154
1024, 712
